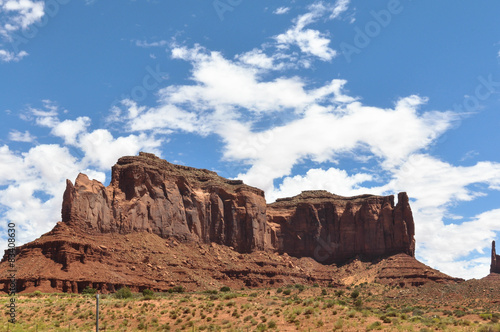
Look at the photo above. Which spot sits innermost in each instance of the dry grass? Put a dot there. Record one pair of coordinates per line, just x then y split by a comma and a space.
305, 308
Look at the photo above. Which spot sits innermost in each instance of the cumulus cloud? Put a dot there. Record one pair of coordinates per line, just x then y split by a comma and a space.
312, 41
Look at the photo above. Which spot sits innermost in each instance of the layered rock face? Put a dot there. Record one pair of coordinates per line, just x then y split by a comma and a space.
333, 229
495, 260
149, 194
157, 224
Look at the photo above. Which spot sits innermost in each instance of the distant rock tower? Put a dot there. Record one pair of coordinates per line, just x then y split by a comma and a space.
495, 260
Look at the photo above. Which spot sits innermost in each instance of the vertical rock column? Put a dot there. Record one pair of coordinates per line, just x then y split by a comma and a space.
495, 260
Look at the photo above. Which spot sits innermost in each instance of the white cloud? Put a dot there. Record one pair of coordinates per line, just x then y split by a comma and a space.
6, 56
20, 14
258, 59
146, 44
224, 83
281, 10
333, 180
70, 129
17, 136
310, 41
102, 150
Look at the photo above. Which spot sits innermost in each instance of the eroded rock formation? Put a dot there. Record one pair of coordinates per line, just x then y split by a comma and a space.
495, 260
149, 194
333, 229
157, 224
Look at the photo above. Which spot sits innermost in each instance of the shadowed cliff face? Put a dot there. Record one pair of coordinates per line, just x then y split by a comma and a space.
150, 194
333, 229
495, 260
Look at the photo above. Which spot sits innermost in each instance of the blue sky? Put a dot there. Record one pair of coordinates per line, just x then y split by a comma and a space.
348, 96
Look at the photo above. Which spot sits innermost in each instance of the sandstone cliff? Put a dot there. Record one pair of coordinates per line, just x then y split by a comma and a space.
333, 229
148, 194
157, 224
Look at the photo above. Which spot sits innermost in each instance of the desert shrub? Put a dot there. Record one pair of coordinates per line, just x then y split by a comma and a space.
355, 294
374, 326
315, 284
299, 287
287, 292
230, 296
339, 292
211, 291
89, 291
225, 289
459, 313
323, 292
489, 328
358, 303
176, 289
147, 292
123, 293
418, 312
279, 290
485, 316
308, 311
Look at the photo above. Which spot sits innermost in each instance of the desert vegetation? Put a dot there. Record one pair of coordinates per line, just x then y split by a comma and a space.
294, 307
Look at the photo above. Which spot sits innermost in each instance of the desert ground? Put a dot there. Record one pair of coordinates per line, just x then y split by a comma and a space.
473, 305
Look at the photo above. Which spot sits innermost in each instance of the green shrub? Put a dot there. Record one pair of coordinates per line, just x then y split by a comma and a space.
89, 291
176, 289
148, 292
225, 289
355, 294
299, 287
279, 290
287, 292
123, 293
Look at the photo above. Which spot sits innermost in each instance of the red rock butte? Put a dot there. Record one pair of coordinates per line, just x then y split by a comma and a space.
158, 224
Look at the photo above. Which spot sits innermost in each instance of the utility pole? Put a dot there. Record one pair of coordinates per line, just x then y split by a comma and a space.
97, 313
